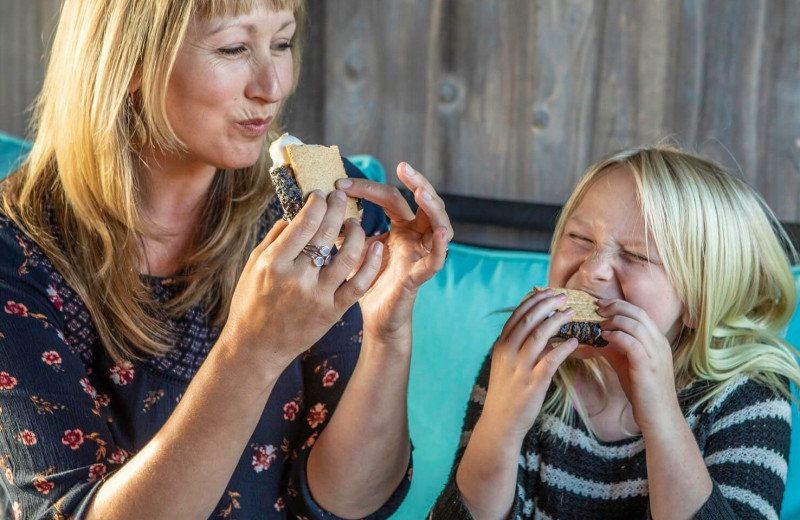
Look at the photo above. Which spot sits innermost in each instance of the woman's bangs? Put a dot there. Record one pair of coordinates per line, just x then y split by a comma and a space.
215, 8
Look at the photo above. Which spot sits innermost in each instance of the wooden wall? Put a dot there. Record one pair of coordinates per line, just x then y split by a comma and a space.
512, 99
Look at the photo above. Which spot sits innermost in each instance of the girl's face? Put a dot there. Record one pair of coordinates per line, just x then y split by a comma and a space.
229, 79
604, 251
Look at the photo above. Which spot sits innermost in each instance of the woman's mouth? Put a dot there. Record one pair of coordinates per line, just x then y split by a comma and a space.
255, 127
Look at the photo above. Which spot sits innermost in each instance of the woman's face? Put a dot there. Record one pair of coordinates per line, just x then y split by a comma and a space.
604, 251
229, 79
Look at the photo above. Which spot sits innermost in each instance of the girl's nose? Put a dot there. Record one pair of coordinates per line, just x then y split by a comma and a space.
597, 266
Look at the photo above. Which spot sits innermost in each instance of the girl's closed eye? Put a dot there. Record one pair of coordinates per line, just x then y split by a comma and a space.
635, 257
579, 238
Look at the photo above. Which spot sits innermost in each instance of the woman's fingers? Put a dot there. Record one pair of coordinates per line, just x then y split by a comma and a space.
384, 195
433, 261
433, 213
348, 257
302, 228
331, 223
349, 292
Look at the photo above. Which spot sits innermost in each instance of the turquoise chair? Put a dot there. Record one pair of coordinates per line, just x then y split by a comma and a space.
454, 326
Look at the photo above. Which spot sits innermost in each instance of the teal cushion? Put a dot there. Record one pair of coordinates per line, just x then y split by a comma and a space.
455, 324
12, 151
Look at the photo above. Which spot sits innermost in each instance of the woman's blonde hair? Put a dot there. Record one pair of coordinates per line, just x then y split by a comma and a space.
78, 193
729, 261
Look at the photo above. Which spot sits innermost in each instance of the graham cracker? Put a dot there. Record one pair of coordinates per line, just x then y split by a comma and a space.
585, 304
317, 167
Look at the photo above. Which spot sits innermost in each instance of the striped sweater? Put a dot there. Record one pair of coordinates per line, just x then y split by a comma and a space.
564, 473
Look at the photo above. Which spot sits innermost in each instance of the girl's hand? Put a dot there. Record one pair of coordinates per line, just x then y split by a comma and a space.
414, 250
642, 358
283, 303
523, 364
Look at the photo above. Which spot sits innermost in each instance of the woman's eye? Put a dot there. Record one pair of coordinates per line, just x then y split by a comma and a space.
233, 51
283, 46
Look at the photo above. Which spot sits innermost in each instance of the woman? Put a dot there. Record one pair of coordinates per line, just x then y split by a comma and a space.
167, 349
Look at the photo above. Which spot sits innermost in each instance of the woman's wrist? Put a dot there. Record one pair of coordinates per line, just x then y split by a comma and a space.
247, 365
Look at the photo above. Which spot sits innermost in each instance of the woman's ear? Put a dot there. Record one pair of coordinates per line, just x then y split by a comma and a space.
136, 81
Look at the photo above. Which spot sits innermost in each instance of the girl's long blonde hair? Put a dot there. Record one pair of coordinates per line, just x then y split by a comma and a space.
78, 193
727, 257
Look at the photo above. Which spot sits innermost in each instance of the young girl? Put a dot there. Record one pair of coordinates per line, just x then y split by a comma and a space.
685, 413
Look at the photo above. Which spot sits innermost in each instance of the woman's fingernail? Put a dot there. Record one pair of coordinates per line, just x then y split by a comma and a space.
340, 195
426, 195
377, 248
344, 183
409, 170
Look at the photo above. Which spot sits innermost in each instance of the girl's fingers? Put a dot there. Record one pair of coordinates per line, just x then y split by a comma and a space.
549, 363
348, 257
384, 195
354, 288
538, 338
627, 345
626, 330
535, 319
522, 309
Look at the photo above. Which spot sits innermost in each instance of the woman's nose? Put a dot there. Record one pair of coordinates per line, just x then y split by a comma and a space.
266, 83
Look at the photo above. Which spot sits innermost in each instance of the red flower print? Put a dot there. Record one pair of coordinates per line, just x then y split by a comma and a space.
17, 309
7, 382
88, 388
102, 400
317, 415
123, 373
263, 457
118, 457
51, 358
73, 438
279, 505
42, 485
95, 471
9, 476
331, 376
290, 409
27, 437
17, 511
310, 441
54, 297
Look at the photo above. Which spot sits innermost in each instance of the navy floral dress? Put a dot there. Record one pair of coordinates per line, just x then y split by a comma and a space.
70, 417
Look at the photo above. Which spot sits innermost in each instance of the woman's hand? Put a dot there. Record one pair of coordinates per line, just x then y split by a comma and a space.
642, 358
523, 364
414, 250
283, 303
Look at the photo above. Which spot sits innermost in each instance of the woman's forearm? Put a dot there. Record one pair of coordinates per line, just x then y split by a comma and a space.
677, 476
362, 454
182, 472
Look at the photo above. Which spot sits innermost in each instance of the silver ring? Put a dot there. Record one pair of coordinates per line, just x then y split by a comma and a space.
320, 255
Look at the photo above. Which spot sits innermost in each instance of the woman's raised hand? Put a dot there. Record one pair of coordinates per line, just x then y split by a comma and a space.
523, 363
283, 302
414, 250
